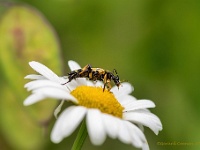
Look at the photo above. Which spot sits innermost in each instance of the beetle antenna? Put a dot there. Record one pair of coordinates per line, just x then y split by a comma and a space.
115, 71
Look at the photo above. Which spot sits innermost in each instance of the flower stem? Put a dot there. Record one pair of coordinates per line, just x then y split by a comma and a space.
82, 134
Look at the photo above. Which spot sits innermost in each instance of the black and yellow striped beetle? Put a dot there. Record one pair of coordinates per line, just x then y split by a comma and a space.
95, 74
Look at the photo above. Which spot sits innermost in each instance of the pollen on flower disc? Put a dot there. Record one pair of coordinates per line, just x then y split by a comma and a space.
95, 97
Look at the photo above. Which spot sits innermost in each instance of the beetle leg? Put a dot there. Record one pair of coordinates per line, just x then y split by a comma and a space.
107, 85
104, 81
87, 68
72, 75
90, 76
104, 86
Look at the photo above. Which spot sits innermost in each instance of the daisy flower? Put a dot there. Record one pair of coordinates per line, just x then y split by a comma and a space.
113, 113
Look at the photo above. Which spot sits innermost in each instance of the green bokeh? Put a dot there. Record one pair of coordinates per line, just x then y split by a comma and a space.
155, 45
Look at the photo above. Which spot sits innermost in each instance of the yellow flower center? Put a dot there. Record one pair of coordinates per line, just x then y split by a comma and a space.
94, 97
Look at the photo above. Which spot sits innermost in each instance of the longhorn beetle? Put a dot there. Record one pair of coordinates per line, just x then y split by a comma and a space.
95, 74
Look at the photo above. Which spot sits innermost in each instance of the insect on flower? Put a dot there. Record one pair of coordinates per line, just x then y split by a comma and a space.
95, 74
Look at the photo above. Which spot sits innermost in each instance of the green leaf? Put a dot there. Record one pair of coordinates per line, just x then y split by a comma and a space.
25, 35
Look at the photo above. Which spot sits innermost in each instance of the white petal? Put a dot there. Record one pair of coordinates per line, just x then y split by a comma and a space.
58, 109
94, 83
99, 83
57, 133
36, 84
73, 119
43, 70
145, 146
67, 122
95, 127
71, 85
123, 133
51, 92
73, 65
138, 138
124, 89
139, 104
145, 118
111, 125
126, 99
63, 80
33, 99
34, 77
75, 83
81, 81
90, 83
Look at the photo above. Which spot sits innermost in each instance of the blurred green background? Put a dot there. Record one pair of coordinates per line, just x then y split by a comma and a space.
155, 45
